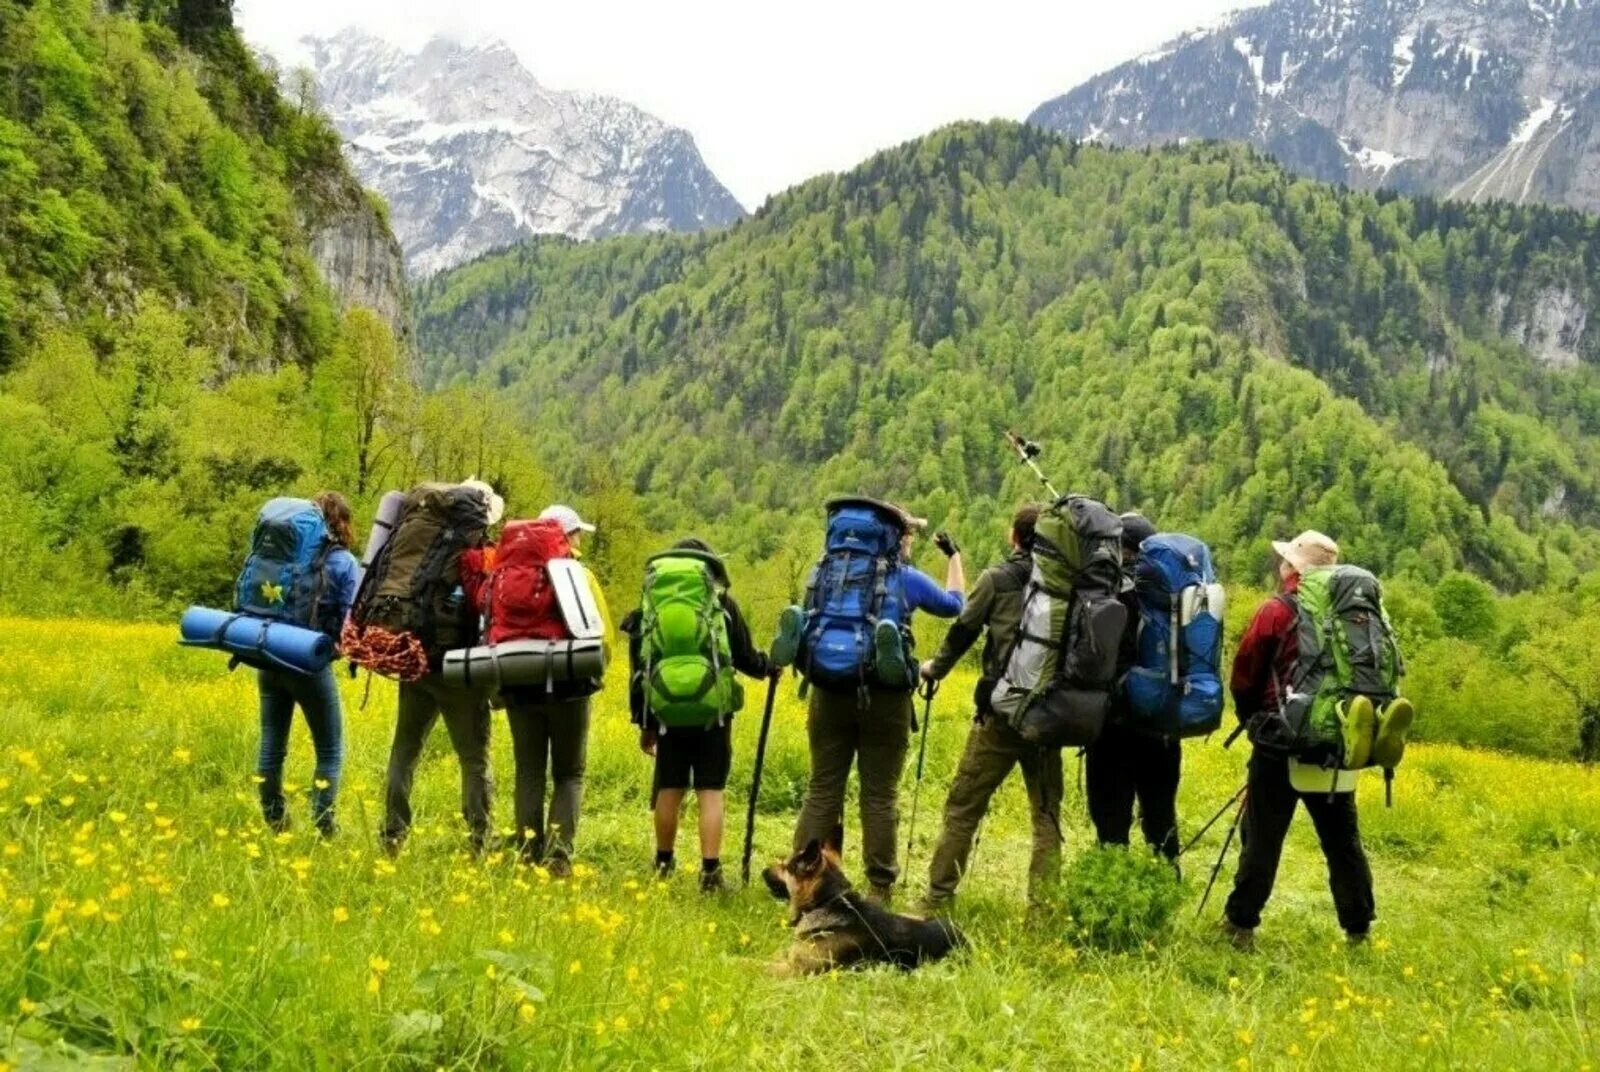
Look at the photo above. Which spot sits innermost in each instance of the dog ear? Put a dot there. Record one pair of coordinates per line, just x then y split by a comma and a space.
810, 856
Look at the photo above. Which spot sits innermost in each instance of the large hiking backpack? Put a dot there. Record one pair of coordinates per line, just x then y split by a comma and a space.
854, 585
1175, 685
683, 640
520, 599
1347, 648
411, 601
1057, 684
285, 573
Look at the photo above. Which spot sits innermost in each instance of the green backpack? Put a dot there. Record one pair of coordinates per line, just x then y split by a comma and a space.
1347, 648
688, 665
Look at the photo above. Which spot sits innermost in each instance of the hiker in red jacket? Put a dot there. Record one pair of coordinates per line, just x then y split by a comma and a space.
1265, 660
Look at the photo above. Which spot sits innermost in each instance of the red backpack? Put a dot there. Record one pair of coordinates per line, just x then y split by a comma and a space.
520, 603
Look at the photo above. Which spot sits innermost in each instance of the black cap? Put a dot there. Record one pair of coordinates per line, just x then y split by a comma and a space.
1136, 529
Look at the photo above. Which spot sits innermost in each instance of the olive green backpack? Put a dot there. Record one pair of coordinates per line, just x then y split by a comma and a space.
687, 663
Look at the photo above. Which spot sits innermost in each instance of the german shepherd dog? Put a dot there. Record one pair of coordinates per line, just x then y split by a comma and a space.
836, 927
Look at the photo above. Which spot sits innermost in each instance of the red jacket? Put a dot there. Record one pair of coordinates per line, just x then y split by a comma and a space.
1266, 655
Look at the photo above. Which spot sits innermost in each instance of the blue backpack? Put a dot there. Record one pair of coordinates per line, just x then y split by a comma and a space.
855, 585
1175, 685
282, 579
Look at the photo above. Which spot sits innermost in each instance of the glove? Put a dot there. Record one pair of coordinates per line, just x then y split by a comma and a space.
945, 543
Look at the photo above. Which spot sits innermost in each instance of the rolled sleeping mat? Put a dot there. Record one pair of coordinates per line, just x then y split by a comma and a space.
257, 642
383, 523
525, 662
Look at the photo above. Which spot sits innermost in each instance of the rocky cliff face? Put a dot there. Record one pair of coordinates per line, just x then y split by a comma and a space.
359, 257
473, 153
1477, 99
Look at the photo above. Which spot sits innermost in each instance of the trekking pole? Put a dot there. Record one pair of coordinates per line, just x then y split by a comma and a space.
1028, 450
1223, 855
755, 782
1213, 820
922, 755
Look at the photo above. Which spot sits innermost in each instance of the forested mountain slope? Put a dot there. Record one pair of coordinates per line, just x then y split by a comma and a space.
1193, 332
176, 245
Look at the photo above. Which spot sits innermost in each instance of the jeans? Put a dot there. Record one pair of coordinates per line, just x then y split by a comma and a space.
553, 732
1124, 766
876, 739
1269, 805
318, 697
466, 717
993, 749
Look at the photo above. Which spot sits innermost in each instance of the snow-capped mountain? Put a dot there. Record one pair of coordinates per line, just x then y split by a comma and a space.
1475, 99
473, 153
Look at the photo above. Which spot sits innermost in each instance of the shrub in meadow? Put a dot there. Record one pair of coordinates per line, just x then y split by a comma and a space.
1119, 900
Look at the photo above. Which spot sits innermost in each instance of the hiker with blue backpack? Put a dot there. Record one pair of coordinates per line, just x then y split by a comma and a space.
1170, 670
1316, 685
851, 642
994, 611
686, 642
301, 570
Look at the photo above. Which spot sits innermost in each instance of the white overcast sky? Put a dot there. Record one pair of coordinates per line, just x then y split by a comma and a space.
775, 94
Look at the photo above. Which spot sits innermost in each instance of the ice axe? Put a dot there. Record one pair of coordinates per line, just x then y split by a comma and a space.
1027, 450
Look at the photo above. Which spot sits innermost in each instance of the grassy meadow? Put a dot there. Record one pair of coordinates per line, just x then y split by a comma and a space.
148, 919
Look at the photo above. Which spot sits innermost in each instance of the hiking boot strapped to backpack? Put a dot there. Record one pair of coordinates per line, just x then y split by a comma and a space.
687, 659
1057, 684
854, 591
1175, 686
410, 608
1348, 663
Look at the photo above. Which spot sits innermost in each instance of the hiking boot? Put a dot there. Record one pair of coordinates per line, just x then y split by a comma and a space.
1242, 938
664, 869
711, 882
1390, 744
327, 828
1355, 939
881, 894
1359, 718
889, 653
791, 627
559, 866
933, 907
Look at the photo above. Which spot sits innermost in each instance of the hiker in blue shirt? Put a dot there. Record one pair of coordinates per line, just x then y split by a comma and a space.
857, 718
316, 694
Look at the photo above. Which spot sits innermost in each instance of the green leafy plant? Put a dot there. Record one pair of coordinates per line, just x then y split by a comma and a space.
1119, 900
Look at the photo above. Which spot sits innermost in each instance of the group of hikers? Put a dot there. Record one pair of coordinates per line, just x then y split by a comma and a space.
1097, 632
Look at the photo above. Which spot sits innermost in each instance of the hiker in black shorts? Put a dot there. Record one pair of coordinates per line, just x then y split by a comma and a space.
696, 756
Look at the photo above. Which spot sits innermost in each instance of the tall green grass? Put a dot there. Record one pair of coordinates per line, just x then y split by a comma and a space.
147, 917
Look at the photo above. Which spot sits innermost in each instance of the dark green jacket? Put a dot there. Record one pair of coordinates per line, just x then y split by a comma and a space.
995, 604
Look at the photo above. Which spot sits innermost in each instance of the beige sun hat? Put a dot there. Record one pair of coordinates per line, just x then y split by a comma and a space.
910, 520
497, 505
1308, 551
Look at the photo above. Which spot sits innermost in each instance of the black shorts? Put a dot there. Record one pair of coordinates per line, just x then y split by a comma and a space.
694, 758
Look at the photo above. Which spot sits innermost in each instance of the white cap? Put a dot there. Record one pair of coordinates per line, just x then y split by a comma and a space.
568, 517
497, 505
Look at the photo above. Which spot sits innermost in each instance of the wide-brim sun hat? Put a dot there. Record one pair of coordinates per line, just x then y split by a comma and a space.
1308, 551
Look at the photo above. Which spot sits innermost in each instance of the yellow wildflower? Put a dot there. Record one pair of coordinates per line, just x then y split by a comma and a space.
190, 1023
341, 914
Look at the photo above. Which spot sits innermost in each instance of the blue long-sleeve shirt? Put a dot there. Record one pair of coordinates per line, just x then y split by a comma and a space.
342, 574
923, 593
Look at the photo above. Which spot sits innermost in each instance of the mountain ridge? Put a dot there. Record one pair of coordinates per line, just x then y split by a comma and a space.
1478, 99
473, 152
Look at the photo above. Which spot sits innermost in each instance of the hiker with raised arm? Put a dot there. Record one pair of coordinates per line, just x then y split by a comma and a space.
852, 644
994, 612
